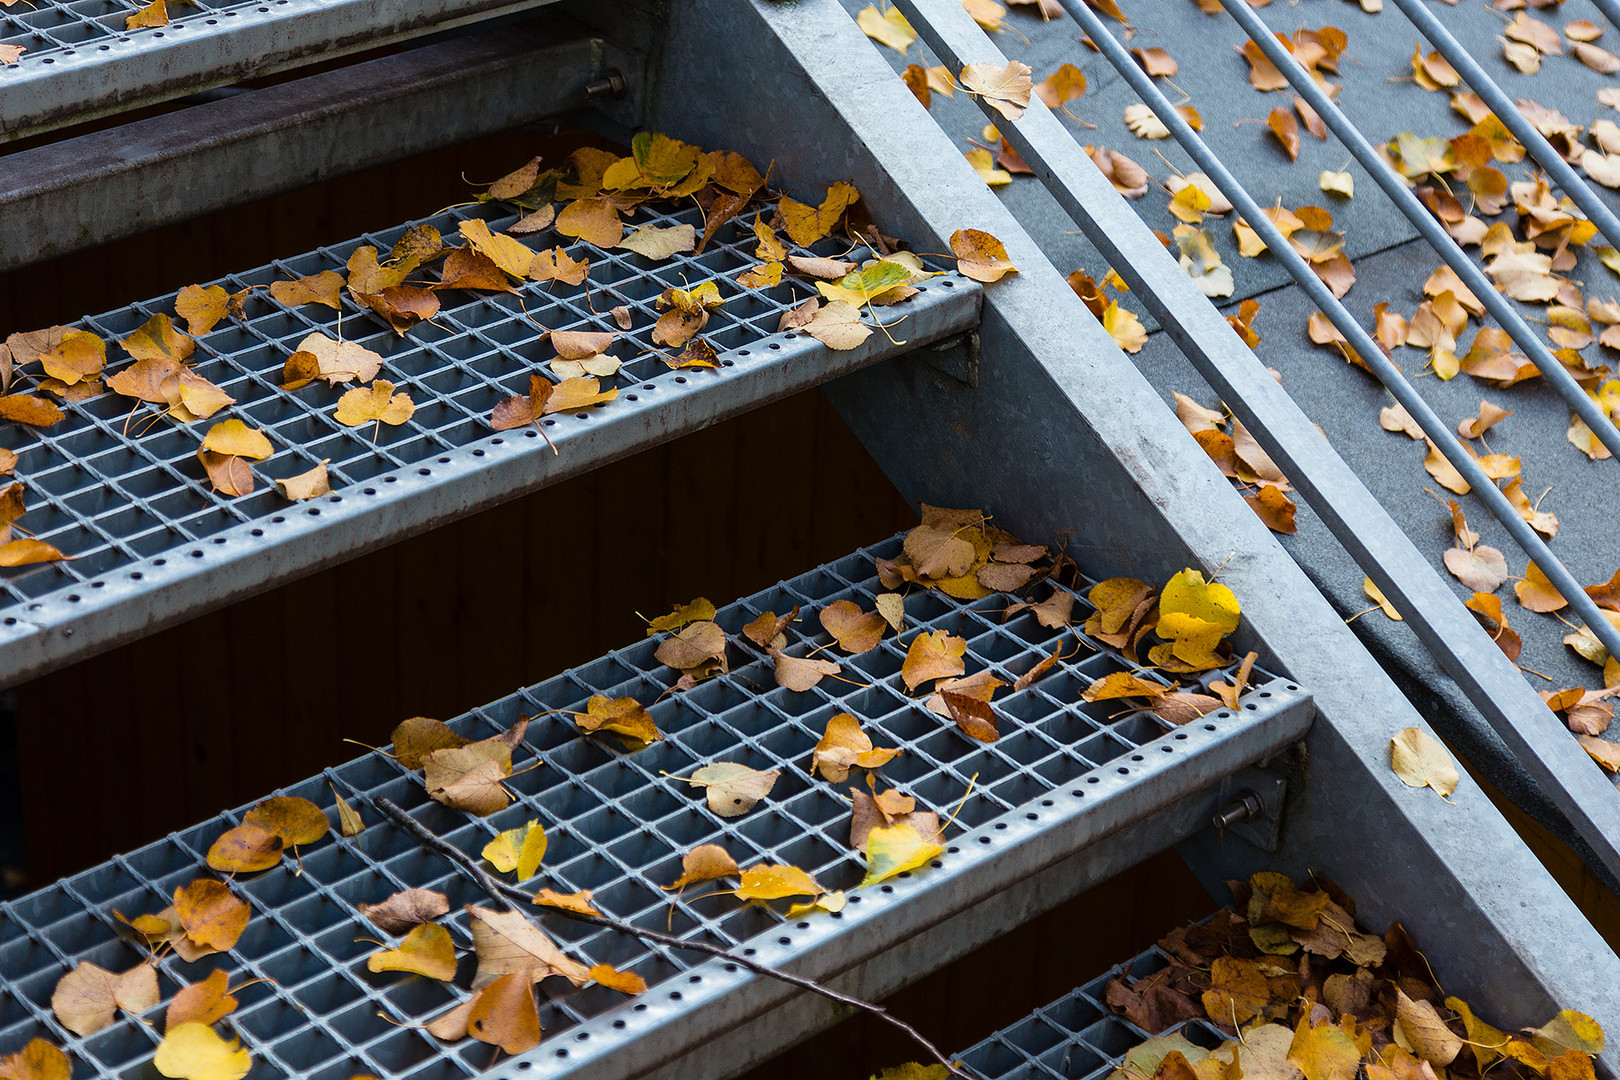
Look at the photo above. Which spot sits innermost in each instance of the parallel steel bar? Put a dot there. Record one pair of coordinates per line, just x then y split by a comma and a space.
127, 179
1387, 373
1360, 523
1610, 10
114, 72
1515, 121
1551, 368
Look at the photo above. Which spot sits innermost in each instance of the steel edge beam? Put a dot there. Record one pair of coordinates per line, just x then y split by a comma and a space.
1095, 455
128, 179
215, 49
133, 601
1356, 519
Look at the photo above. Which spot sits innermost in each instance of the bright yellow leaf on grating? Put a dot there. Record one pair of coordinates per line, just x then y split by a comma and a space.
580, 392
235, 438
1194, 616
624, 716
845, 746
427, 950
39, 1060
504, 1014
936, 654
806, 224
895, 849
325, 287
578, 902
594, 220
376, 402
197, 1052
706, 862
81, 355
519, 849
202, 1002
245, 849
296, 820
772, 882
512, 256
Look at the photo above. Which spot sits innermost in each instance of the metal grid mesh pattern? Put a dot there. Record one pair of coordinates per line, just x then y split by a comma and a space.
617, 825
1077, 1037
50, 29
109, 490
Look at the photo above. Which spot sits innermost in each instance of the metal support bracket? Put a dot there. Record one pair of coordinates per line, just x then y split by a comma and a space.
1251, 806
957, 358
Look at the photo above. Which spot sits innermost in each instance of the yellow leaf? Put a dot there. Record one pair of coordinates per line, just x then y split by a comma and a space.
154, 14
1193, 618
1123, 325
1376, 595
1485, 1041
578, 902
894, 850
854, 630
81, 354
766, 881
378, 402
234, 438
985, 166
886, 28
307, 485
39, 1060
1425, 1032
1061, 87
349, 821
296, 820
623, 716
1569, 1030
980, 255
807, 224
427, 950
325, 287
1536, 593
1323, 1053
657, 243
699, 610
1421, 760
936, 654
512, 256
195, 1051
626, 982
519, 849
838, 326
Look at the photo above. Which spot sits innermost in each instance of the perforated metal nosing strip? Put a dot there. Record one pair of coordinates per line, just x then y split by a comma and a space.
1061, 775
127, 499
82, 60
1077, 1037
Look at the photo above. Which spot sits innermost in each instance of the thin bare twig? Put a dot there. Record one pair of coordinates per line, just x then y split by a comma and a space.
506, 894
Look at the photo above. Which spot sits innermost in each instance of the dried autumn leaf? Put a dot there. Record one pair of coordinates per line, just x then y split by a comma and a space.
845, 746
512, 256
401, 306
658, 243
854, 630
203, 1002
38, 1060
975, 717
325, 287
807, 224
985, 166
33, 411
594, 220
625, 982
1489, 416
154, 14
87, 999
1274, 508
1421, 760
624, 716
504, 1015
1061, 87
427, 950
1337, 183
1569, 1030
194, 1051
1376, 595
377, 402
1536, 593
733, 789
306, 485
1427, 1035
337, 362
1482, 568
1324, 1052
245, 849
507, 943
1194, 616
1286, 129
210, 913
838, 326
800, 673
403, 910
935, 654
1128, 178
1437, 466
706, 862
1144, 124
980, 255
1006, 88
81, 355
296, 820
886, 28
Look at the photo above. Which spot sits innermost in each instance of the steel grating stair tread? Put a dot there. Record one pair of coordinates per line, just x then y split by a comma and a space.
1077, 1037
82, 61
151, 542
1062, 775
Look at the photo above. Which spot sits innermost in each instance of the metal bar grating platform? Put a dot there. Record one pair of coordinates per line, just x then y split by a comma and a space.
82, 60
1077, 1037
124, 495
1062, 774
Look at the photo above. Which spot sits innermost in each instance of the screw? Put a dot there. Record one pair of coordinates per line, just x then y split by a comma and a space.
1245, 806
611, 84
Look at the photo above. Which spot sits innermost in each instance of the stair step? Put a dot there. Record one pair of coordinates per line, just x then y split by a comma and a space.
1062, 775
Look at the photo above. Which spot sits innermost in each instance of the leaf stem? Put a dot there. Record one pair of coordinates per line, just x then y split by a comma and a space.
505, 894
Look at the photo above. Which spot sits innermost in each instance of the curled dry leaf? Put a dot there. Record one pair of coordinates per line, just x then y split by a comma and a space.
1286, 130
980, 255
935, 654
377, 402
706, 862
800, 673
520, 849
426, 950
807, 224
307, 485
854, 630
403, 910
624, 716
1007, 88
844, 746
88, 998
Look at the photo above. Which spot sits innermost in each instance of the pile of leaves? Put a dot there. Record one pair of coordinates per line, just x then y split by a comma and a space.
574, 211
1304, 993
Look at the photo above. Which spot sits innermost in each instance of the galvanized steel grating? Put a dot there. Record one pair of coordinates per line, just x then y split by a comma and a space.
1077, 1037
1062, 772
124, 495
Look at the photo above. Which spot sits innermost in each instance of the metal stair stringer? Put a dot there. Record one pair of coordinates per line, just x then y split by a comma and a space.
1062, 434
